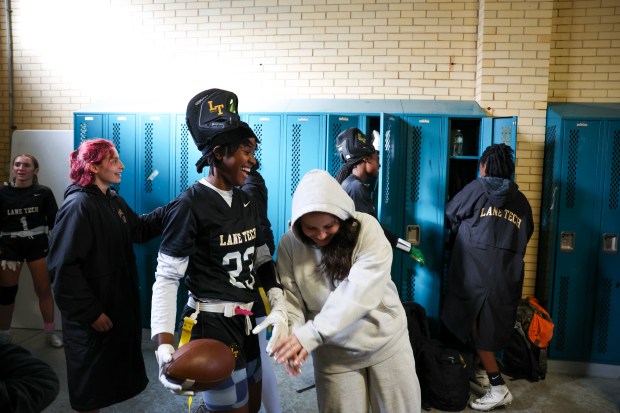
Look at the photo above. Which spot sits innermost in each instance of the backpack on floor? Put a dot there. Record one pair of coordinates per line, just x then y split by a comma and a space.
521, 359
535, 321
443, 372
525, 356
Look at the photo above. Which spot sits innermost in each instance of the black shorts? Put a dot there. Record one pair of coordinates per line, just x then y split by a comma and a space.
23, 248
228, 330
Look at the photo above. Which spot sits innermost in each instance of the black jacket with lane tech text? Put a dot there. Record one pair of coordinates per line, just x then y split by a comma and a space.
93, 269
493, 223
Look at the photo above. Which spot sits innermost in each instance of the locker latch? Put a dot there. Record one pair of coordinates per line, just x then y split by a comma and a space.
413, 234
567, 241
610, 243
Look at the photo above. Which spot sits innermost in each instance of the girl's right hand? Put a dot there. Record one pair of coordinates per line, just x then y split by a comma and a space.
102, 324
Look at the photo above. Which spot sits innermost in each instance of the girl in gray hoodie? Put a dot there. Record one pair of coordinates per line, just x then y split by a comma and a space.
343, 307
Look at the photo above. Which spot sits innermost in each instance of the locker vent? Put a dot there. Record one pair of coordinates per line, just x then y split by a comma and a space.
116, 139
184, 159
415, 156
83, 131
604, 315
258, 130
562, 313
388, 167
408, 288
336, 161
295, 162
571, 181
148, 157
506, 132
614, 176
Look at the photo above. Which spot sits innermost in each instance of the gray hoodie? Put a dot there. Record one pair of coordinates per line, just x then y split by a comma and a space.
361, 321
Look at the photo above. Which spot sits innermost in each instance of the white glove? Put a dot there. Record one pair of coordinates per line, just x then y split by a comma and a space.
164, 355
278, 318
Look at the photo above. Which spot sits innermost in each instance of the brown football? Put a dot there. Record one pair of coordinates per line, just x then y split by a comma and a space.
208, 362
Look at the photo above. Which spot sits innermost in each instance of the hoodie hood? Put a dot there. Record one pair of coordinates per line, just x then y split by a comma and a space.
93, 189
318, 191
500, 191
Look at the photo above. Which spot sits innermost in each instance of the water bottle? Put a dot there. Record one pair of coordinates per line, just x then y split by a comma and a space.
457, 148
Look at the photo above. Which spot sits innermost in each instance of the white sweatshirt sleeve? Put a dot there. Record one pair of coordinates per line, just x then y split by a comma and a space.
170, 270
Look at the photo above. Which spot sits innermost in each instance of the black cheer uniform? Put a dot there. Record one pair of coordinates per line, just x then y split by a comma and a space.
493, 223
93, 269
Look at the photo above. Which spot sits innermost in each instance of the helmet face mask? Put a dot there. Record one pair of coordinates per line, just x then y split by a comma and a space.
353, 145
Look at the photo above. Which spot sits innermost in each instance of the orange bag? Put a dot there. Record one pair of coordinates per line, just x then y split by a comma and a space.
536, 322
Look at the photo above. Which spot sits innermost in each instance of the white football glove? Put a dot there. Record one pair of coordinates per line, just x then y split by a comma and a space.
278, 318
164, 355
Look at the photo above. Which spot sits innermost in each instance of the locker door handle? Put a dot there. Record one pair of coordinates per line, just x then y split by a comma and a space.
567, 241
413, 235
610, 243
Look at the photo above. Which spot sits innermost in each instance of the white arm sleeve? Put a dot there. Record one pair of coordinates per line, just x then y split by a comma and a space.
169, 272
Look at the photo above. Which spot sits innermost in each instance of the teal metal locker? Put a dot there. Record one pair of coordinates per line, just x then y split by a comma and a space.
153, 189
186, 154
87, 126
424, 184
580, 223
335, 125
121, 129
305, 150
270, 153
390, 208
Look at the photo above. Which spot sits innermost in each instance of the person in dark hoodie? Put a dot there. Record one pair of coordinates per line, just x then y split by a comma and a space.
492, 222
95, 280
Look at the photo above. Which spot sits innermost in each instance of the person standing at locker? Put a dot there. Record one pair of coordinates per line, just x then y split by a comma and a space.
493, 223
360, 161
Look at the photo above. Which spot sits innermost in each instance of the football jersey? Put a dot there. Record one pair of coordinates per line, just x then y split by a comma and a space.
26, 208
221, 241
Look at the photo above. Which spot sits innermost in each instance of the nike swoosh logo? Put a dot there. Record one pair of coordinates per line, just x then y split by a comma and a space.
244, 205
37, 194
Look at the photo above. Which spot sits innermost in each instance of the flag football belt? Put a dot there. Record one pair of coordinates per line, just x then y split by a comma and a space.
229, 309
26, 233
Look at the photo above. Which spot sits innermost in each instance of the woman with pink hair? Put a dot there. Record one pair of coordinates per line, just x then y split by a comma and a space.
95, 280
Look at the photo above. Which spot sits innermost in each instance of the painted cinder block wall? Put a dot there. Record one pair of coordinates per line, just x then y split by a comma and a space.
512, 57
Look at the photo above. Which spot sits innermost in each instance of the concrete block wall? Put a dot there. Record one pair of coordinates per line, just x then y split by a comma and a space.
510, 56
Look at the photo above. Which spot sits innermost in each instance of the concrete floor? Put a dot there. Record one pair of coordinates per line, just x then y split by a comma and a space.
560, 392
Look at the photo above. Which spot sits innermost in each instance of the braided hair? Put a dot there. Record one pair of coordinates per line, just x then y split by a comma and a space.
346, 169
498, 159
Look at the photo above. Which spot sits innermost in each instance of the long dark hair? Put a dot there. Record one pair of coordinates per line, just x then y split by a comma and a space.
498, 159
336, 257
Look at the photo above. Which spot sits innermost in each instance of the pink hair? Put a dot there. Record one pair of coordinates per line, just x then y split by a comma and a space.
91, 151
